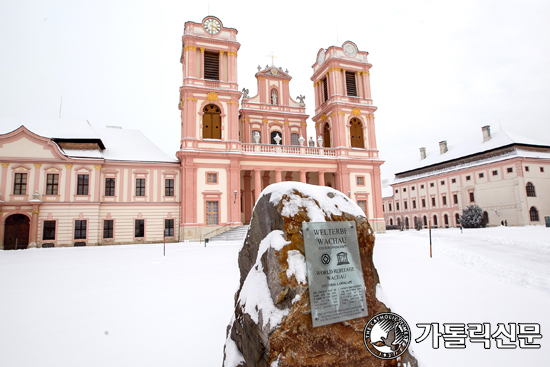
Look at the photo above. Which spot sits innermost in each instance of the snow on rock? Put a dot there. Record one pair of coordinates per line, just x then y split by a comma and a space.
255, 296
296, 266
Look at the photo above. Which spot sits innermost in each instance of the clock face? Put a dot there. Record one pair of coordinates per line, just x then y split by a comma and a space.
350, 50
212, 26
321, 57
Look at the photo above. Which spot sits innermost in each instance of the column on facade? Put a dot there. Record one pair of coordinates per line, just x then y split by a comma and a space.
202, 63
371, 133
321, 178
257, 182
4, 181
231, 66
37, 175
97, 183
303, 176
366, 79
191, 60
360, 84
247, 196
286, 93
235, 183
286, 132
278, 175
34, 224
266, 179
342, 75
220, 65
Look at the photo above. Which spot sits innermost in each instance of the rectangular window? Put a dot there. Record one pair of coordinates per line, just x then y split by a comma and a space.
455, 199
431, 184
383, 208
396, 191
360, 180
481, 175
389, 205
404, 189
294, 139
140, 187
80, 229
108, 228
52, 182
433, 201
396, 206
405, 205
412, 188
423, 203
421, 186
472, 199
82, 184
20, 184
509, 170
48, 232
363, 205
350, 84
526, 168
468, 178
442, 183
414, 204
453, 180
109, 187
211, 66
211, 212
495, 172
541, 169
168, 228
139, 229
444, 200
169, 187
325, 89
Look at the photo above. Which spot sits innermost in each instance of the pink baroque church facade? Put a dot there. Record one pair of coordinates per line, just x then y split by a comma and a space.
67, 183
230, 153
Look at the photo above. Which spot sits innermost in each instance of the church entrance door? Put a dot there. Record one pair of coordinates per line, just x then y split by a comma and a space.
16, 232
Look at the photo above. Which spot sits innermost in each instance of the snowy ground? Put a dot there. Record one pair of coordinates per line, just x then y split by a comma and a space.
130, 306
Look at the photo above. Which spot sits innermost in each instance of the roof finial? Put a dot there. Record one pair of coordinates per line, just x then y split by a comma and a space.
272, 58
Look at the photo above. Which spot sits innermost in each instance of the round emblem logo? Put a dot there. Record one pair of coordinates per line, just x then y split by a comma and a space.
325, 259
387, 335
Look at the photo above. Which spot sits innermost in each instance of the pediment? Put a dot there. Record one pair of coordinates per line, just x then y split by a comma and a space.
23, 143
271, 71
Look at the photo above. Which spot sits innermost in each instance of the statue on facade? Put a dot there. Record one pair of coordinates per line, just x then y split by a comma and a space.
245, 93
274, 96
301, 99
311, 142
259, 68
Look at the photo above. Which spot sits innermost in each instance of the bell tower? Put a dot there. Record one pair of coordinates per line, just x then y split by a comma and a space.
344, 113
209, 97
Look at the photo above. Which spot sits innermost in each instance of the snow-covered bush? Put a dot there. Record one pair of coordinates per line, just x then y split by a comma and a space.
472, 217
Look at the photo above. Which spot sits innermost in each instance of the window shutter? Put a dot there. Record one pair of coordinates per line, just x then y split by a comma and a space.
325, 89
211, 66
350, 84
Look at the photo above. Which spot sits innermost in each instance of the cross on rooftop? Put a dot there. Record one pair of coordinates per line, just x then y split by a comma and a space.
272, 58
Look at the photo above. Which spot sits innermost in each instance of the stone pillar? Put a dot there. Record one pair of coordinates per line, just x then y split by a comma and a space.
321, 178
247, 197
68, 176
359, 87
220, 70
278, 175
34, 224
266, 179
257, 182
303, 176
202, 63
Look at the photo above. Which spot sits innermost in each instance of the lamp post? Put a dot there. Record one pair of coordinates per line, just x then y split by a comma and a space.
235, 193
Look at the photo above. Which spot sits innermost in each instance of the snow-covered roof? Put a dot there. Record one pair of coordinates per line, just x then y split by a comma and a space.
120, 144
499, 139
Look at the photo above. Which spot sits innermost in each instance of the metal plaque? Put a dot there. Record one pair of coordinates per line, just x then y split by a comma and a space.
335, 276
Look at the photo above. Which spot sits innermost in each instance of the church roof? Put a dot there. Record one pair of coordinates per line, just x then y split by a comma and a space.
437, 163
115, 144
270, 71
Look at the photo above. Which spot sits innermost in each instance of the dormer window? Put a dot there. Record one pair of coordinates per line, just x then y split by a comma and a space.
274, 97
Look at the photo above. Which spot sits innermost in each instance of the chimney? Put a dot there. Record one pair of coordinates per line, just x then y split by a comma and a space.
443, 147
486, 130
422, 153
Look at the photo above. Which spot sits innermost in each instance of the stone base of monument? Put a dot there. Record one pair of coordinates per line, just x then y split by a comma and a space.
272, 324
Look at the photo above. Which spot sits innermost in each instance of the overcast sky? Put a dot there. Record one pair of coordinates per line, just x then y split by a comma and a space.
441, 69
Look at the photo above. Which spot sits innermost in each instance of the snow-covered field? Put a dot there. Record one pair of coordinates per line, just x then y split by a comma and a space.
130, 306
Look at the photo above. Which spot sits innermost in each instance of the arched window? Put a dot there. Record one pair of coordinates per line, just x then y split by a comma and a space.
326, 136
256, 135
294, 139
530, 188
446, 219
534, 214
425, 221
273, 135
356, 133
407, 222
391, 222
435, 220
211, 122
274, 97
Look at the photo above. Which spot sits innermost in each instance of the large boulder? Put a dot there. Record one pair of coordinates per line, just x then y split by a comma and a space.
272, 322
